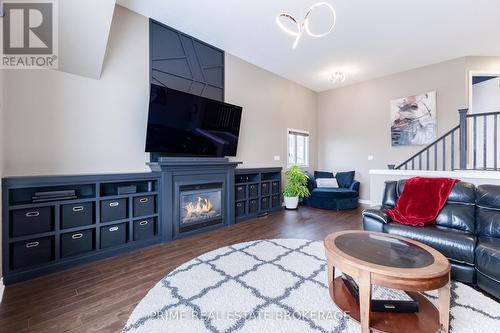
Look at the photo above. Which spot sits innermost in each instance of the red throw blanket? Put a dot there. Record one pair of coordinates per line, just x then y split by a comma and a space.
422, 200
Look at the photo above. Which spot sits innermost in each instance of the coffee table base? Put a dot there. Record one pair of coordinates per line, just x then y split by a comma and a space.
424, 321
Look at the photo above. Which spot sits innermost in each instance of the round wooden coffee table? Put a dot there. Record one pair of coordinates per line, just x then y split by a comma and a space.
389, 261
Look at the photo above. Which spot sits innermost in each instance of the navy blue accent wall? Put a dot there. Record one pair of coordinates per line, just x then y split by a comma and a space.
184, 63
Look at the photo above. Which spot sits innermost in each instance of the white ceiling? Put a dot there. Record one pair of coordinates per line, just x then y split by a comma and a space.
372, 38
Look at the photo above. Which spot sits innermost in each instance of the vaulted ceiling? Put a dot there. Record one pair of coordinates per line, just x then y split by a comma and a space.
371, 38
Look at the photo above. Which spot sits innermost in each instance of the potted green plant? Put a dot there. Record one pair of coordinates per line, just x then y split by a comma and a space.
296, 187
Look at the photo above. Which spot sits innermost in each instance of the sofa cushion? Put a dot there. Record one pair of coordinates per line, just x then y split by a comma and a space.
334, 193
487, 222
457, 213
462, 192
345, 179
457, 216
457, 245
488, 211
323, 174
488, 257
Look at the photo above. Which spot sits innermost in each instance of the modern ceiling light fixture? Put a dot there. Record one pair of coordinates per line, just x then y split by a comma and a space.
304, 26
338, 77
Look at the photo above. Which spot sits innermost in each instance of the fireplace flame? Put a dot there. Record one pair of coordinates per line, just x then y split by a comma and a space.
202, 205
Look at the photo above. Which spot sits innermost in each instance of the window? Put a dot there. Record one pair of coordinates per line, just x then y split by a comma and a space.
298, 148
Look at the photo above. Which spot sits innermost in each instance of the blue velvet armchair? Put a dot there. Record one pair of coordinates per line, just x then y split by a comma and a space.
344, 197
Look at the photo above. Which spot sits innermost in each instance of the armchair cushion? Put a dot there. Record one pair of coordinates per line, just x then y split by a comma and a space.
334, 193
327, 182
345, 179
323, 174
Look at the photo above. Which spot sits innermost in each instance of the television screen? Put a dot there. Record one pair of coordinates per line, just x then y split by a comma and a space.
182, 124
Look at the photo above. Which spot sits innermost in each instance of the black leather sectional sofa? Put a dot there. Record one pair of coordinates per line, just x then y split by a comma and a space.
467, 231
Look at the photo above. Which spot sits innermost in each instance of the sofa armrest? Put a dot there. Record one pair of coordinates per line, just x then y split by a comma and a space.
311, 182
377, 214
375, 219
354, 186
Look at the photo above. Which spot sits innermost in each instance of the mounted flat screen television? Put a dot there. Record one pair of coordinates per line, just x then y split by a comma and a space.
182, 124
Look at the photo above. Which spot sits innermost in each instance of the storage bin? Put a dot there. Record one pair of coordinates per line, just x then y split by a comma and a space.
275, 187
32, 252
31, 221
240, 208
77, 215
113, 235
144, 229
240, 192
264, 203
253, 206
112, 210
144, 205
264, 189
75, 243
253, 190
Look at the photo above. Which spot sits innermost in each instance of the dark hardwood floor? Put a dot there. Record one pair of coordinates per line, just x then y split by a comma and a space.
99, 297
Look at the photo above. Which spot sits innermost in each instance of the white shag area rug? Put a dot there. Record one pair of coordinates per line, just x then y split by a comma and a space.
272, 286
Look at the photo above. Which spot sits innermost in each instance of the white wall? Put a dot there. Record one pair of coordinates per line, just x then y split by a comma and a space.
354, 121
271, 105
60, 123
486, 96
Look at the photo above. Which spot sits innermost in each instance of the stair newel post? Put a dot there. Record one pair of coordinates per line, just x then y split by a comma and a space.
463, 138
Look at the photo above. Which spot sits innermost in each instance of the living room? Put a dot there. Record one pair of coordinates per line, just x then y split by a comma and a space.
124, 208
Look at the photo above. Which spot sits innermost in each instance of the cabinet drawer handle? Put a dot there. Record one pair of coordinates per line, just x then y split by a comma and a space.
78, 208
77, 236
113, 229
33, 214
114, 204
143, 222
238, 204
143, 200
32, 244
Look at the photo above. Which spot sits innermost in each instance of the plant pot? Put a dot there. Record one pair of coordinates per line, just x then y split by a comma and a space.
291, 202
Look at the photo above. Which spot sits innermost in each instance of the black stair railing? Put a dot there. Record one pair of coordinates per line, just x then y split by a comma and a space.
430, 159
445, 154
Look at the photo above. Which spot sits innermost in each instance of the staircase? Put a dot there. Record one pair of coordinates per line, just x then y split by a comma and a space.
471, 145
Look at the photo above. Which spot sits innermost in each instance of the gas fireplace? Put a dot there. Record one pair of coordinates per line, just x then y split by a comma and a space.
200, 206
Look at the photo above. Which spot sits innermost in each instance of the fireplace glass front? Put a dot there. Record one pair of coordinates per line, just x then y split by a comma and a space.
200, 206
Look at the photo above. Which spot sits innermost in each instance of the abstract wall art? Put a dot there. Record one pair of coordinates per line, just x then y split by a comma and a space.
413, 120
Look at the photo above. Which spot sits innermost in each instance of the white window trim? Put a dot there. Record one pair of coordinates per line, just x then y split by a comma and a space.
303, 165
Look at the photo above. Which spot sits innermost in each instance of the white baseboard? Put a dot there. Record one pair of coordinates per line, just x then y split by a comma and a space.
365, 202
2, 288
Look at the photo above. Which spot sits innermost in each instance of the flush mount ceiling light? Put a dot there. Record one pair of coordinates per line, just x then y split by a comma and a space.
338, 77
300, 28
